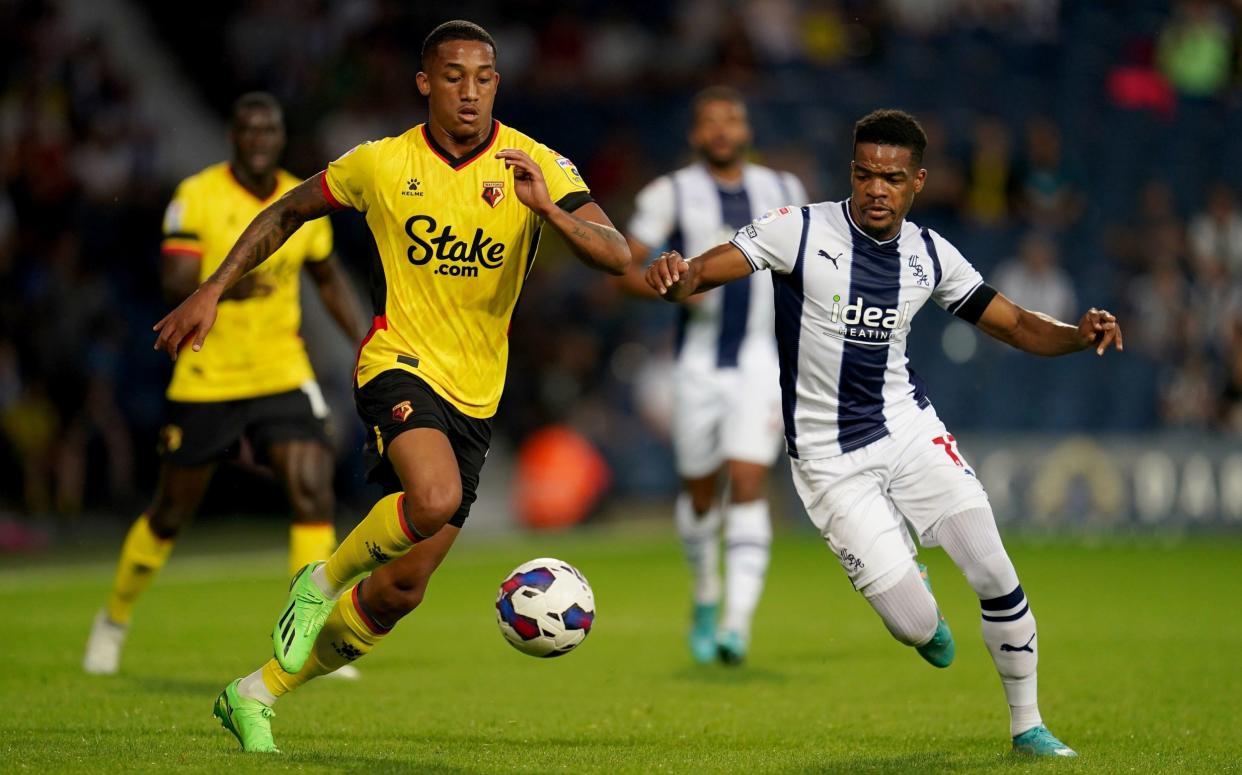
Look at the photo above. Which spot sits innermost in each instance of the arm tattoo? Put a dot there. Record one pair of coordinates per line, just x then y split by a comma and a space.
269, 230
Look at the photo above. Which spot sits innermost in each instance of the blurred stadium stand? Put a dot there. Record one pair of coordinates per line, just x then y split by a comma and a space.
1103, 133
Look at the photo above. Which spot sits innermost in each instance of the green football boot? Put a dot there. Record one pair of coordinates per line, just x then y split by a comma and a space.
249, 720
731, 647
939, 651
703, 633
1038, 741
299, 624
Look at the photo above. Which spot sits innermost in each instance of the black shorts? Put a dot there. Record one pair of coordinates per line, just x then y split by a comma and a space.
203, 432
397, 401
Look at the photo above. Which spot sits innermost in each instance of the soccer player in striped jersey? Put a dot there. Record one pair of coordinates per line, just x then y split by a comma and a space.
727, 423
256, 383
869, 454
456, 206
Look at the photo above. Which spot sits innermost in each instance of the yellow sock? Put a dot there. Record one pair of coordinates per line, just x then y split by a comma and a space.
309, 541
142, 556
381, 537
348, 634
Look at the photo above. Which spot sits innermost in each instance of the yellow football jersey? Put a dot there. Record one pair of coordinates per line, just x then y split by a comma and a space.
455, 247
255, 348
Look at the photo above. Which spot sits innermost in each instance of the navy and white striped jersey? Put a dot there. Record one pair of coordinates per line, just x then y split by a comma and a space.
690, 211
844, 303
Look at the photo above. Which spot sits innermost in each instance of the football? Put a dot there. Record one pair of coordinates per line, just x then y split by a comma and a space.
545, 607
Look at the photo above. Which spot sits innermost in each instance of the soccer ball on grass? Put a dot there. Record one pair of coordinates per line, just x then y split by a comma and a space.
545, 607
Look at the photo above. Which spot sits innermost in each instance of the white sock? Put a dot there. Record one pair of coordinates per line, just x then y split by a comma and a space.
907, 609
700, 539
973, 542
320, 577
252, 686
748, 545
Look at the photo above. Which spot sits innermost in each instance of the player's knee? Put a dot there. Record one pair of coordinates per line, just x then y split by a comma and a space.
166, 518
429, 508
311, 498
746, 484
991, 576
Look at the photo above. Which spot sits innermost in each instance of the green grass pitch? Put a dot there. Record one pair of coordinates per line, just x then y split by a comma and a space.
1140, 670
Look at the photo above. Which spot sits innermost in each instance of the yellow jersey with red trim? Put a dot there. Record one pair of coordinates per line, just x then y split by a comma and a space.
455, 247
255, 348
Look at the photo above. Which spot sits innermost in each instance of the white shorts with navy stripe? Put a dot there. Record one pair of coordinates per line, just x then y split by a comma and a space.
862, 500
726, 414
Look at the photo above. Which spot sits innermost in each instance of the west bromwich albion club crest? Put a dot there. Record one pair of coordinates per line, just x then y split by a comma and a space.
493, 191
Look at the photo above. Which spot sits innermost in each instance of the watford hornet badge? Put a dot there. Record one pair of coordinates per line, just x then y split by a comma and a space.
493, 191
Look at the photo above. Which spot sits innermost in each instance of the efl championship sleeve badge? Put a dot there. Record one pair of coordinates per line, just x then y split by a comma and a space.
771, 215
570, 171
493, 191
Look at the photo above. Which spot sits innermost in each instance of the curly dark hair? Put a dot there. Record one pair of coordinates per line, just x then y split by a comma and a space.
892, 127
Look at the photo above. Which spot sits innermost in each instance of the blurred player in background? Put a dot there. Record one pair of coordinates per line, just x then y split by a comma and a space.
456, 206
255, 384
869, 453
727, 420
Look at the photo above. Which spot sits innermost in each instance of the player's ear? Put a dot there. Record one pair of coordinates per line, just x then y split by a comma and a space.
423, 83
920, 178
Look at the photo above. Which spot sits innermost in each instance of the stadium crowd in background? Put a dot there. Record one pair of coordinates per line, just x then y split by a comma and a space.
1032, 171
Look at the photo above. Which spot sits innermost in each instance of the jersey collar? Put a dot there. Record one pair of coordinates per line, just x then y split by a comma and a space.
849, 217
458, 162
237, 182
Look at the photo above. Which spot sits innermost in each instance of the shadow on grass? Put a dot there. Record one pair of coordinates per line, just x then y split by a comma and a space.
162, 684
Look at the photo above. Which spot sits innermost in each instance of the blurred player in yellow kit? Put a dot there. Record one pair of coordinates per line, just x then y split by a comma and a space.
254, 383
456, 206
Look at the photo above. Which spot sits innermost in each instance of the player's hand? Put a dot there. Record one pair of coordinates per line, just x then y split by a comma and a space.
528, 181
669, 276
188, 323
1099, 327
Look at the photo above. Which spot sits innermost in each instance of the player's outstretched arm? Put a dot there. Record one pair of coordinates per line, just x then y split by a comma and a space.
338, 296
675, 278
194, 317
1037, 333
587, 230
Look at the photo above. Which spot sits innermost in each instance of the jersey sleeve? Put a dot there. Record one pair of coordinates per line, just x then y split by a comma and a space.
565, 184
774, 240
960, 289
183, 222
655, 209
349, 181
319, 246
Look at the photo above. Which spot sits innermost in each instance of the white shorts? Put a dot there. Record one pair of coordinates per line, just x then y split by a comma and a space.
859, 499
726, 414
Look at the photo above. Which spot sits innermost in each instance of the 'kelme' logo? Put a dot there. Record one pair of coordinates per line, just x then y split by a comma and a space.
462, 259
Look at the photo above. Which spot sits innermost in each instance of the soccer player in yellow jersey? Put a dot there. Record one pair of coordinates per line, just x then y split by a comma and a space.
456, 206
254, 382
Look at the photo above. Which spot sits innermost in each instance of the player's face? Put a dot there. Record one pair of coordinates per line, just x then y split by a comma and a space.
460, 87
884, 181
258, 136
721, 132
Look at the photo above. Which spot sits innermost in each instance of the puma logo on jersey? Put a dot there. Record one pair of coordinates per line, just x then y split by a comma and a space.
833, 259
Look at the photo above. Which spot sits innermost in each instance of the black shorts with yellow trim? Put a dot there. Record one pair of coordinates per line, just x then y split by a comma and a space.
397, 401
197, 433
